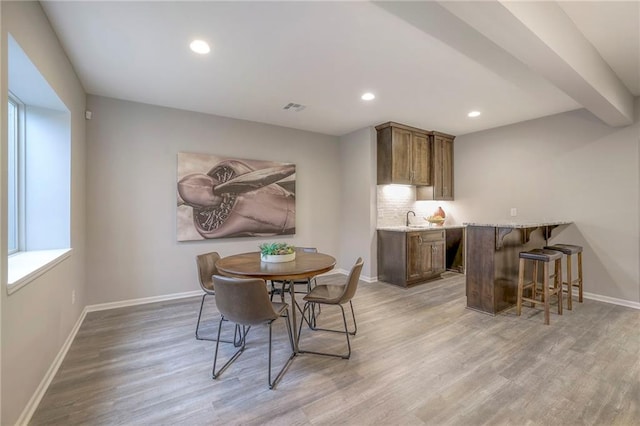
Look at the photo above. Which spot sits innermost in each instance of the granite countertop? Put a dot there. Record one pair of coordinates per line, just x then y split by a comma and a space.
517, 225
402, 228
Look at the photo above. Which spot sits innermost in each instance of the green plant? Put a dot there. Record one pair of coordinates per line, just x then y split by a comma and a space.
276, 248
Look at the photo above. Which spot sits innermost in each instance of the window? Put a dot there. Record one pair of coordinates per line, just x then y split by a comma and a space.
38, 172
13, 141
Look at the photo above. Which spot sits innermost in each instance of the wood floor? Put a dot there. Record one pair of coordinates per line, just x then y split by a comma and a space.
419, 358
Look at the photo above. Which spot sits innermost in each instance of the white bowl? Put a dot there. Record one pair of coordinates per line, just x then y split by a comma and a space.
436, 221
278, 258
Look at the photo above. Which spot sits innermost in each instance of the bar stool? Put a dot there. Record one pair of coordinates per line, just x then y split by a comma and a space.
546, 257
569, 250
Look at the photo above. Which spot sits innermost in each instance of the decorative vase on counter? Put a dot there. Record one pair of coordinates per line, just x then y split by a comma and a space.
437, 219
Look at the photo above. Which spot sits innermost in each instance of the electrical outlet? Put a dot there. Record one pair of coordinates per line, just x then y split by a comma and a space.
514, 212
73, 297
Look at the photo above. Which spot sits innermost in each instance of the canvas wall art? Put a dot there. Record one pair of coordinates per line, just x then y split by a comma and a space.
221, 197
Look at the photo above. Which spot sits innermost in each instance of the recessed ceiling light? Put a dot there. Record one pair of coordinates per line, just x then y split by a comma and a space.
473, 114
368, 96
200, 46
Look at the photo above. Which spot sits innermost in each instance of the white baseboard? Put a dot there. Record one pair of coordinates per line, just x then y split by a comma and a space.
346, 272
30, 408
613, 300
142, 301
367, 279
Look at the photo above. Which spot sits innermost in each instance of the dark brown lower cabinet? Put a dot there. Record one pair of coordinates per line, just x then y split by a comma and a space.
407, 258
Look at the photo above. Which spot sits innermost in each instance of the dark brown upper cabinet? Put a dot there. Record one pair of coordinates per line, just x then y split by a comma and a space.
442, 166
404, 155
442, 178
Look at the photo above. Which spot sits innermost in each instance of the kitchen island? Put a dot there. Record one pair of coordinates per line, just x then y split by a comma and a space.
492, 258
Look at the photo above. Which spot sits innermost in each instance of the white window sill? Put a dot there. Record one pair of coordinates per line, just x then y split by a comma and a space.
26, 266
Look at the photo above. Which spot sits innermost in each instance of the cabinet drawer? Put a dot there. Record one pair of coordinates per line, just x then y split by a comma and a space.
429, 235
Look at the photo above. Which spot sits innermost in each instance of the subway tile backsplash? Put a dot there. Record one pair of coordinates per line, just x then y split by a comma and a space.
394, 201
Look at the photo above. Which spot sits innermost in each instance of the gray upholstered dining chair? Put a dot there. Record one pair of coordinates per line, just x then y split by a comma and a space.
331, 294
246, 303
206, 270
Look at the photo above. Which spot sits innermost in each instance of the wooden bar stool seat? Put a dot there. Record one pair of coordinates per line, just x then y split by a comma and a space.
546, 257
569, 250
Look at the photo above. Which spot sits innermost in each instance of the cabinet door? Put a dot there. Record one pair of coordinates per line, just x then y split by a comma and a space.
442, 168
447, 169
425, 254
437, 257
421, 161
415, 256
401, 156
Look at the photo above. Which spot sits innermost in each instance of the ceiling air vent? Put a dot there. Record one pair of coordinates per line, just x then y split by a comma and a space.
294, 107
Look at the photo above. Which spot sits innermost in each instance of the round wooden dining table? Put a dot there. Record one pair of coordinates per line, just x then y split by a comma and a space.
305, 265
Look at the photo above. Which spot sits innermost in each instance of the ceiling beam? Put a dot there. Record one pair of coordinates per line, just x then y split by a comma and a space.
544, 38
431, 18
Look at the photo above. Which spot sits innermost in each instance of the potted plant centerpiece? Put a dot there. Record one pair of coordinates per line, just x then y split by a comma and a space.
277, 252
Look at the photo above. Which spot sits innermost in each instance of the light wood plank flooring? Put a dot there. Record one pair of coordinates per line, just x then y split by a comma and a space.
419, 358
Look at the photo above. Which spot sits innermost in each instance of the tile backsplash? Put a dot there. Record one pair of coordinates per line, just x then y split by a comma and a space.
394, 201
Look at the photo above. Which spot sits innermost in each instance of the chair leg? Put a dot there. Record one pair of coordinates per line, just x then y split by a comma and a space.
534, 289
569, 284
237, 334
272, 384
355, 324
557, 284
520, 288
312, 325
580, 282
346, 332
280, 291
312, 311
545, 290
290, 332
215, 374
315, 283
199, 316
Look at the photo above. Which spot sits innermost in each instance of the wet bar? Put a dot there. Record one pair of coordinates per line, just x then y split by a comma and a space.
492, 260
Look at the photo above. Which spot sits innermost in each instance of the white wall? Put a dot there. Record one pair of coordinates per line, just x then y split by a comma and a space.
37, 319
358, 201
132, 157
565, 166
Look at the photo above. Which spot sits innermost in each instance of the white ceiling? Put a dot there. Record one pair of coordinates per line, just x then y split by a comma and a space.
429, 63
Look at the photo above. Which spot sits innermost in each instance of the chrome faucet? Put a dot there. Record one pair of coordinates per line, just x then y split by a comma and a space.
414, 214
